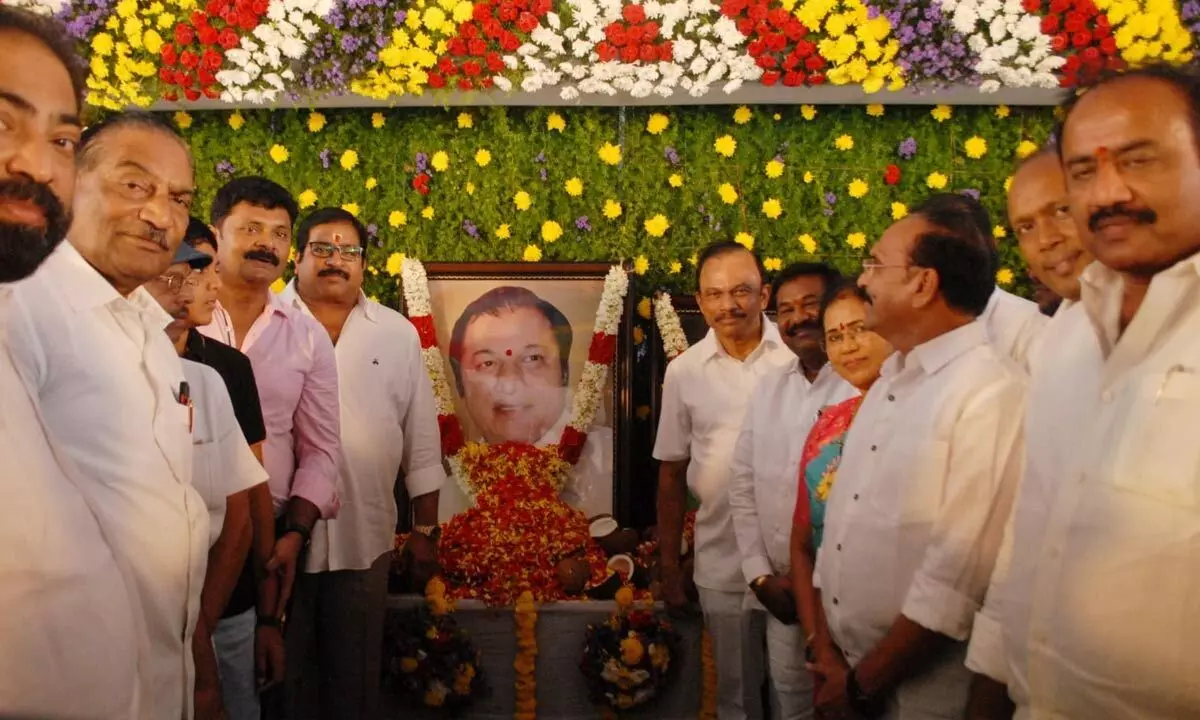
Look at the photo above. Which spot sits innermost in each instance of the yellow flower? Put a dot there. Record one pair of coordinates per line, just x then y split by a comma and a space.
522, 200
408, 665
773, 264
675, 267
875, 110
395, 263
574, 187
551, 231
999, 232
942, 113
657, 226
279, 154
371, 183
102, 44
427, 213
693, 259
641, 264
434, 18
470, 188
183, 120
1007, 183
936, 180
808, 112
465, 121
1002, 111
1004, 276
316, 121
397, 218
349, 159
351, 208
976, 147
554, 121
610, 154
657, 123
503, 232
632, 650
808, 243
844, 142
378, 120
742, 115
676, 180
899, 210
725, 145
612, 209
808, 177
278, 286
728, 194
307, 199
858, 188
773, 169
744, 239
644, 309
1025, 149
482, 157
772, 209
440, 161
856, 240
236, 121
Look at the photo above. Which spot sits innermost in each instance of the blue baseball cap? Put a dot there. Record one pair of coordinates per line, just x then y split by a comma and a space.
193, 257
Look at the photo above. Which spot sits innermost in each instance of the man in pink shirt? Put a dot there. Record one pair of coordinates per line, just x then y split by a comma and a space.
294, 369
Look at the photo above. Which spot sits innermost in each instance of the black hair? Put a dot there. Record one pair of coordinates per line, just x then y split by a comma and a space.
509, 297
964, 217
252, 190
727, 247
1184, 78
845, 288
199, 233
828, 274
324, 216
127, 119
962, 266
53, 35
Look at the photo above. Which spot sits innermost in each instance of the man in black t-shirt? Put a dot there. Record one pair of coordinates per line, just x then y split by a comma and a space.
248, 640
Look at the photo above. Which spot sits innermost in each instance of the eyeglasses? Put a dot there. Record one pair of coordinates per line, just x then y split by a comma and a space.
176, 282
849, 334
325, 249
869, 264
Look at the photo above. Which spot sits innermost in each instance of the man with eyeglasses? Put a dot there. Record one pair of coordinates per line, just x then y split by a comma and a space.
766, 467
224, 469
705, 396
389, 424
294, 368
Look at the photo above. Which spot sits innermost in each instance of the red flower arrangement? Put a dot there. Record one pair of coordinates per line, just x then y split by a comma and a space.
420, 183
473, 56
1079, 31
191, 62
777, 43
891, 175
634, 39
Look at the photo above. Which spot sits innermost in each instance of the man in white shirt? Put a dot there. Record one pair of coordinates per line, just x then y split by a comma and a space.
69, 624
1092, 610
389, 423
705, 395
926, 480
766, 473
89, 341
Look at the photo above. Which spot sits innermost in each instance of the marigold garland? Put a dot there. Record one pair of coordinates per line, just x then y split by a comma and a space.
708, 670
525, 664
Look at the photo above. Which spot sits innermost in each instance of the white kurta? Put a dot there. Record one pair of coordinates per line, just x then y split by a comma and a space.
766, 462
916, 518
68, 622
388, 423
1013, 325
704, 400
107, 379
1094, 611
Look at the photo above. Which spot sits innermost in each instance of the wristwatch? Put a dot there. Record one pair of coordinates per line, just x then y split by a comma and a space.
426, 530
759, 582
295, 527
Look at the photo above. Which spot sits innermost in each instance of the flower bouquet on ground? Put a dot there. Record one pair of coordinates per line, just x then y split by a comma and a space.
429, 660
629, 658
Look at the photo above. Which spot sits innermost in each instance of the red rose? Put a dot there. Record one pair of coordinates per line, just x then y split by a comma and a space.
456, 47
745, 26
494, 62
486, 82
666, 51
633, 14
766, 62
1059, 42
1081, 39
796, 30
436, 81
471, 68
792, 78
188, 59
214, 7
465, 84
482, 12
1108, 46
527, 22
259, 7
507, 12
477, 47
1088, 8
509, 42
816, 79
1073, 63
778, 18
208, 35
168, 54
650, 30
191, 94
769, 78
541, 7
1102, 22
1074, 22
607, 52
1092, 56
228, 39
629, 53
1049, 24
733, 8
757, 12
804, 48
1114, 63
777, 41
167, 75
1101, 32
634, 34
790, 61
447, 67
206, 76
616, 35
1059, 6
814, 62
1031, 6
648, 54
420, 183
891, 175
212, 59
757, 47
199, 19
470, 31
184, 35
247, 21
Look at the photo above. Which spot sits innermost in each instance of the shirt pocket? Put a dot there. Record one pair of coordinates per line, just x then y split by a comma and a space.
1158, 454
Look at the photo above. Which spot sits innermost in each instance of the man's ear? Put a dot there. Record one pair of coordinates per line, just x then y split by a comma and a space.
927, 289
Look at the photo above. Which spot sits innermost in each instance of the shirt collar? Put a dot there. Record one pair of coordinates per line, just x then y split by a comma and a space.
710, 346
291, 297
83, 287
932, 355
1101, 290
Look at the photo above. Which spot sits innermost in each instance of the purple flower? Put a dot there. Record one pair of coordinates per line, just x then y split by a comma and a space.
470, 229
671, 156
970, 192
907, 148
225, 168
828, 211
583, 224
422, 162
543, 173
400, 16
830, 198
541, 158
372, 230
325, 158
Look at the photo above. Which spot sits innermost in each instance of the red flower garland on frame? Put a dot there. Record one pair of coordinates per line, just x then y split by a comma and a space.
191, 62
777, 43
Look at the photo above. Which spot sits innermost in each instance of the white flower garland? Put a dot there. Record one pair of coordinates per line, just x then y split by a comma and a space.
415, 285
262, 63
589, 391
675, 341
39, 7
1013, 51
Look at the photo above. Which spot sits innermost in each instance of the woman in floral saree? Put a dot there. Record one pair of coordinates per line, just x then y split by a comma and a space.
856, 354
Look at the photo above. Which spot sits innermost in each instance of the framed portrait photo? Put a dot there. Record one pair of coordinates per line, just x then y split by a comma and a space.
514, 338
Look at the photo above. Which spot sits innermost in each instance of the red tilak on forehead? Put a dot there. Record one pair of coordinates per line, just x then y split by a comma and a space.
1102, 153
508, 352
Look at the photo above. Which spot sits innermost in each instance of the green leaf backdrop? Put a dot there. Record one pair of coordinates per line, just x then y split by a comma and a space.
525, 155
